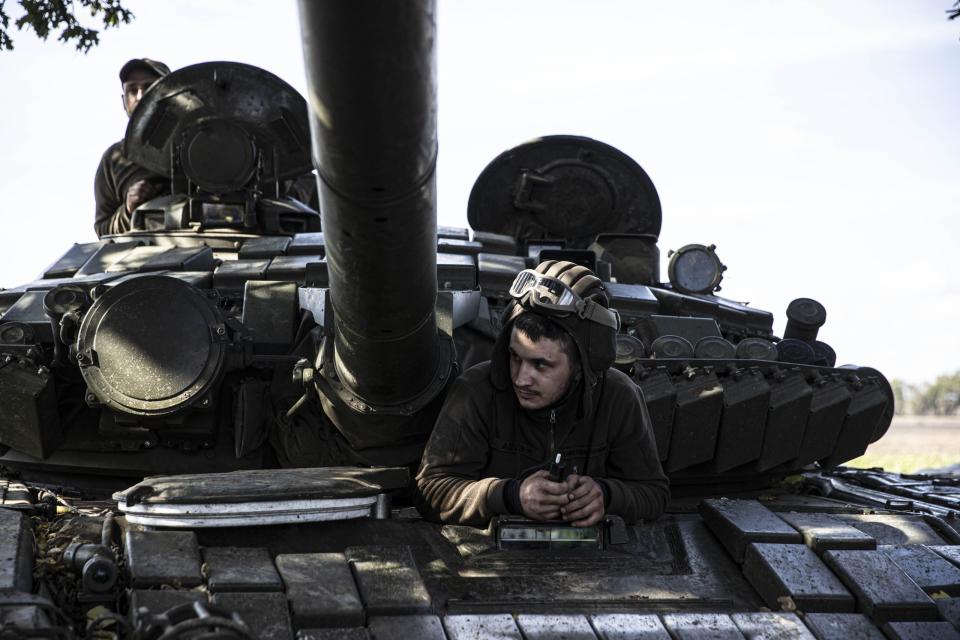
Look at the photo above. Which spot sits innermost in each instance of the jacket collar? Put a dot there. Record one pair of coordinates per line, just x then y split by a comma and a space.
563, 410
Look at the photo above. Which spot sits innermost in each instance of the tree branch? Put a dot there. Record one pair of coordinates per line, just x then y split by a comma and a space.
44, 16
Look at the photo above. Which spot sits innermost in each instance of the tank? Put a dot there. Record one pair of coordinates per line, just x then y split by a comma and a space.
210, 423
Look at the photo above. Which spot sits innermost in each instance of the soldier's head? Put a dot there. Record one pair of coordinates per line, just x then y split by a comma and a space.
561, 311
543, 361
136, 76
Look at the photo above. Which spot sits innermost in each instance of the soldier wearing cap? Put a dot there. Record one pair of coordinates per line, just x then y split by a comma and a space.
547, 390
121, 186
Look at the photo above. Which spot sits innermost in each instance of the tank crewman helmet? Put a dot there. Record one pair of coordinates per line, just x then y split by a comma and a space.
553, 296
573, 297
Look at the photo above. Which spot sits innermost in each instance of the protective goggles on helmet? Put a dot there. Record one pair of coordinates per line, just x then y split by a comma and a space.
550, 295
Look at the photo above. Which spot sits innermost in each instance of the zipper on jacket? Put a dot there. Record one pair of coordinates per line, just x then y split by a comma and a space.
553, 423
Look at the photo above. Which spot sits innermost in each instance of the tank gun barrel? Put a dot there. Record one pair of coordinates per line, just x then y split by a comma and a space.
372, 96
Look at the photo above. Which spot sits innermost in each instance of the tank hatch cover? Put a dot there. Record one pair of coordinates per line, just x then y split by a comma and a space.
567, 187
215, 117
151, 345
256, 497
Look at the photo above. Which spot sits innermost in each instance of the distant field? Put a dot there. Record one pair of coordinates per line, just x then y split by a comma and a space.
914, 443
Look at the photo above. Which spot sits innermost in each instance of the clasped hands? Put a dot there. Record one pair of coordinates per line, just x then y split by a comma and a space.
578, 499
139, 192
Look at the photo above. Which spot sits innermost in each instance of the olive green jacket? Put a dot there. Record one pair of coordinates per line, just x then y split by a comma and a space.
483, 438
115, 174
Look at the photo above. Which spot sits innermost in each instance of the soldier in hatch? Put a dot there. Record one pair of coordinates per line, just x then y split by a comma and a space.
547, 390
121, 186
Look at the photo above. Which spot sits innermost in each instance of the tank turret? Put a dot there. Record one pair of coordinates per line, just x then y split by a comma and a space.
227, 323
209, 423
727, 396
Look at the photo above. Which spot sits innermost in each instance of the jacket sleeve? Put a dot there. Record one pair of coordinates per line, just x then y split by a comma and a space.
637, 486
111, 214
449, 486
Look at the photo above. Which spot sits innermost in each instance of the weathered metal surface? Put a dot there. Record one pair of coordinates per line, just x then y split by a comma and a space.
266, 247
240, 569
480, 627
842, 626
544, 627
321, 590
791, 575
388, 581
894, 528
702, 626
764, 626
628, 626
786, 420
696, 421
423, 626
339, 633
883, 591
739, 522
870, 406
255, 497
942, 490
859, 487
266, 614
305, 244
182, 259
950, 552
828, 406
950, 610
660, 395
75, 257
233, 276
746, 400
158, 558
16, 551
822, 531
28, 404
920, 631
930, 571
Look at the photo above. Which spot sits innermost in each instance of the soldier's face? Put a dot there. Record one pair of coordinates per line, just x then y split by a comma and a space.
540, 370
136, 84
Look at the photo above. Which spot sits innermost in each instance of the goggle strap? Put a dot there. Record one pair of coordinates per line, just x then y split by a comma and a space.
600, 314
527, 281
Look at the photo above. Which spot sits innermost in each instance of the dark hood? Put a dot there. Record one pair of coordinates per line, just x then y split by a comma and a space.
500, 359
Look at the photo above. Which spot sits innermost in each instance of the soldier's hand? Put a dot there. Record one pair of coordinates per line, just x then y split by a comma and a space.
541, 498
585, 506
138, 193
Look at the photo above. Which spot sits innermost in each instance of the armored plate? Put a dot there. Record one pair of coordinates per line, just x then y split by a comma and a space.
564, 187
257, 497
151, 345
214, 118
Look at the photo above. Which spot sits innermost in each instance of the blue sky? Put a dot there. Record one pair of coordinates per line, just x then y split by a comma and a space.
815, 143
